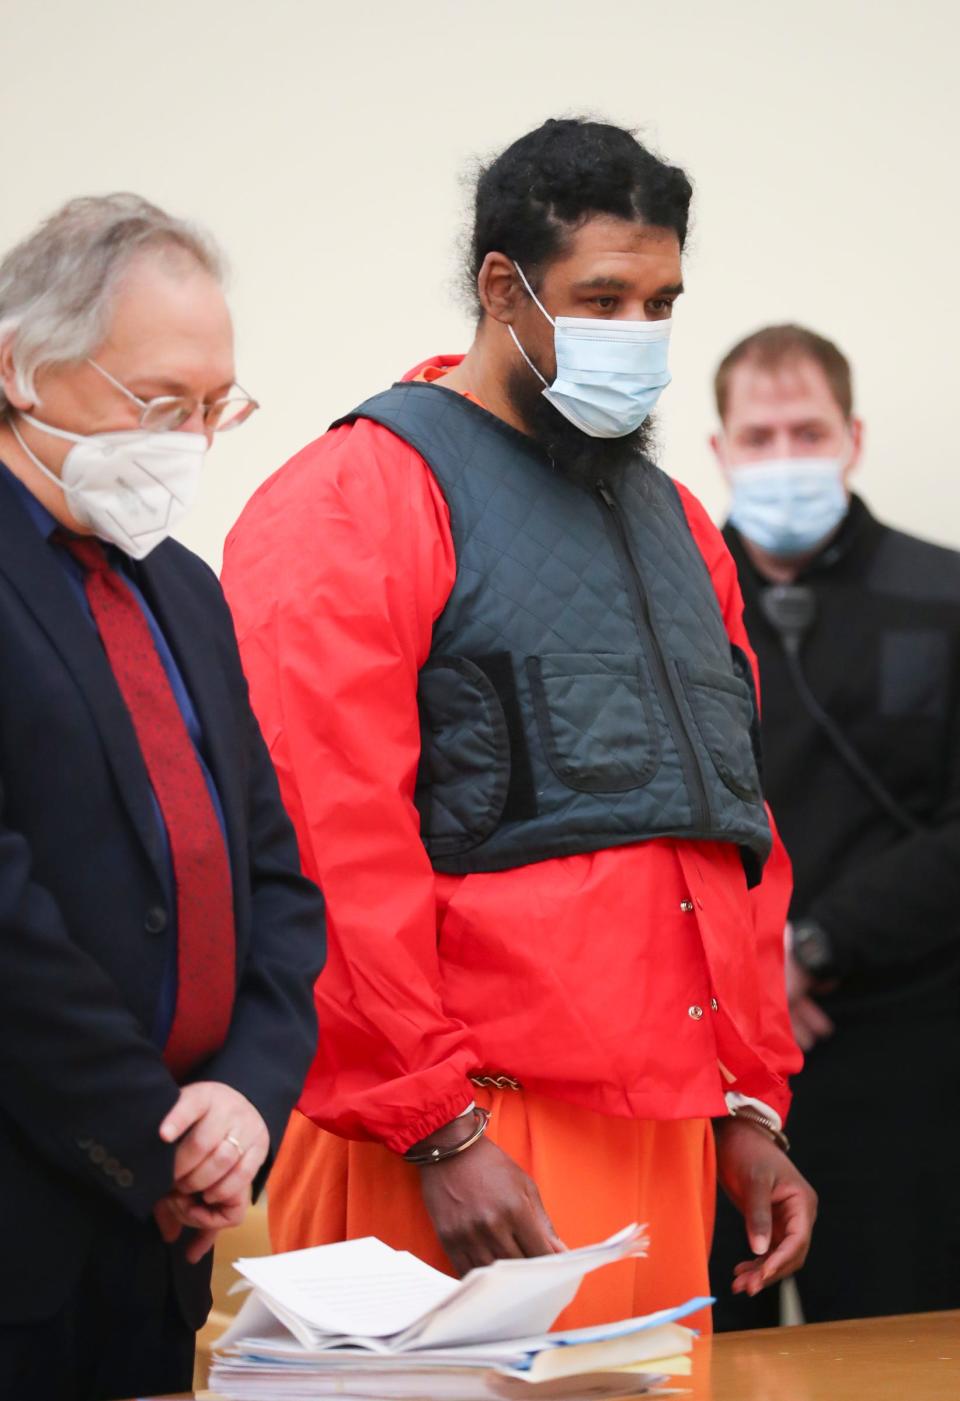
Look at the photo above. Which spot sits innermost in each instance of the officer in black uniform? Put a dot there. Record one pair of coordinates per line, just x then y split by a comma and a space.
857, 630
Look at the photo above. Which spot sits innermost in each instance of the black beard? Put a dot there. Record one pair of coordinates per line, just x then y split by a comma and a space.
575, 455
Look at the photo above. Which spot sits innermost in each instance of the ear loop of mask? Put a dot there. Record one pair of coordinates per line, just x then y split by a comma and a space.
33, 456
546, 313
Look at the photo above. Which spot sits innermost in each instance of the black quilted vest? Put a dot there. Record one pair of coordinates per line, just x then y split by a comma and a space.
581, 691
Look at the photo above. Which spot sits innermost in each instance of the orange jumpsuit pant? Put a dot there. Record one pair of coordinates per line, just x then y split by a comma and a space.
595, 1174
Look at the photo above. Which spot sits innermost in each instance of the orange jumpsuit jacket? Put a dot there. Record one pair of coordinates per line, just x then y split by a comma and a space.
643, 981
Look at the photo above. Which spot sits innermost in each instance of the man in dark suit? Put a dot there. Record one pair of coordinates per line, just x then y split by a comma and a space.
856, 627
158, 944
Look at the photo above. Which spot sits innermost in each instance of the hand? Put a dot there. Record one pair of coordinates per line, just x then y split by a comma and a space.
809, 1021
799, 982
778, 1205
206, 1161
486, 1208
175, 1211
168, 1223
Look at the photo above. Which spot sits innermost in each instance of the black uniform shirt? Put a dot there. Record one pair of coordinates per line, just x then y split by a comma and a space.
883, 657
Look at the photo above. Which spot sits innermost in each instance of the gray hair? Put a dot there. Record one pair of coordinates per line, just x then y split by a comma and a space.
57, 285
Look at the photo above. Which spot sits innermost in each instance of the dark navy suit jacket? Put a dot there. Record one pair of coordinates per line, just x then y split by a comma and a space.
84, 914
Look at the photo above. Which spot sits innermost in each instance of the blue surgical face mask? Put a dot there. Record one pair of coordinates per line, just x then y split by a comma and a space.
610, 374
790, 505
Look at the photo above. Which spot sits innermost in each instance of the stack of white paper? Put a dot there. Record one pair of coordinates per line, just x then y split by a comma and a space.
359, 1319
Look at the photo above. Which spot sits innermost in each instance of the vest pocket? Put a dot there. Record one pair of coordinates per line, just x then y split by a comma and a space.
723, 709
595, 718
464, 771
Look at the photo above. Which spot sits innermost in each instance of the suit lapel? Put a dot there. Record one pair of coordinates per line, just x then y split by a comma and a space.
28, 562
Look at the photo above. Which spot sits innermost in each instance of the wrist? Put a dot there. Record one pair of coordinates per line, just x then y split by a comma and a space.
812, 949
447, 1134
453, 1138
752, 1117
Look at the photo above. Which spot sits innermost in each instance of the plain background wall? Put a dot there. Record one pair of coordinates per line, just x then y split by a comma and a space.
329, 145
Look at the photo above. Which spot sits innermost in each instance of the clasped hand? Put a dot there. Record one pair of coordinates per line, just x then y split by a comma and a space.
212, 1175
809, 1021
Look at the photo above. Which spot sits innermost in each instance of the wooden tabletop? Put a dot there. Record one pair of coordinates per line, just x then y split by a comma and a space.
915, 1358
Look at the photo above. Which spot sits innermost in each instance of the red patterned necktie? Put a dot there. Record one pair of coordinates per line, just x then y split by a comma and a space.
206, 948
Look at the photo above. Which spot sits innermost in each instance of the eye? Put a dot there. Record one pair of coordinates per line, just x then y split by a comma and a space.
661, 306
605, 303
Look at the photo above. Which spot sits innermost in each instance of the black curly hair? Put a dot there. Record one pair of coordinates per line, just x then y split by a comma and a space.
537, 192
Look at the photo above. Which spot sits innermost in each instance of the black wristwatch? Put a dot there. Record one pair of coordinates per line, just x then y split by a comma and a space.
812, 948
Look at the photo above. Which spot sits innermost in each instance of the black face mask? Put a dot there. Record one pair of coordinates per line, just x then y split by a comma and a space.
576, 456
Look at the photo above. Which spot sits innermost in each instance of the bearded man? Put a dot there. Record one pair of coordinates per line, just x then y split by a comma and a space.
499, 660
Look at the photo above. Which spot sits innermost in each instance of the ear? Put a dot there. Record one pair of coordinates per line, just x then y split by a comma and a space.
9, 381
499, 288
856, 438
717, 446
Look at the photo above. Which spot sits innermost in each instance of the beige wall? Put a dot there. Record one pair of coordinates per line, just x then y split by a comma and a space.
326, 144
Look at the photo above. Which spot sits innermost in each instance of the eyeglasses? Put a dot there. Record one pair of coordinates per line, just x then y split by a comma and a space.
169, 412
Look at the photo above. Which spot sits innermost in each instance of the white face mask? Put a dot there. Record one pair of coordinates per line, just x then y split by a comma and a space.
131, 488
610, 374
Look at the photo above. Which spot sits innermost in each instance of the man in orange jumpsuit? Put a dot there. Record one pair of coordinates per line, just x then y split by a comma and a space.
499, 661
